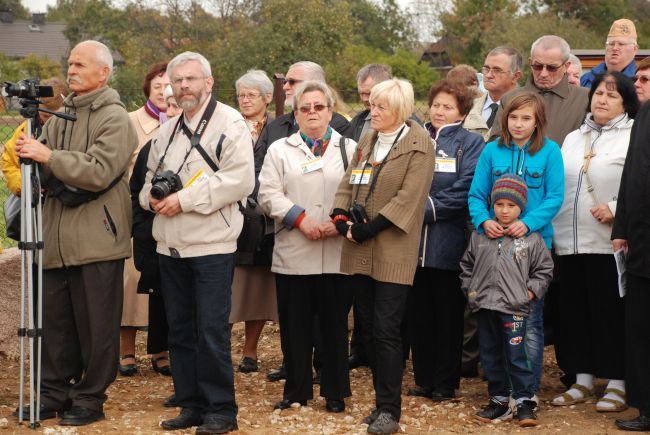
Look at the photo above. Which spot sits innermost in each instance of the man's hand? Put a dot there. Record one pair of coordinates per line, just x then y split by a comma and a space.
327, 229
169, 206
602, 213
618, 244
310, 228
531, 295
492, 229
32, 149
517, 230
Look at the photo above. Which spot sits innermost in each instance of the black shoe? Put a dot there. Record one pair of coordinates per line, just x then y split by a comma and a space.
639, 424
334, 405
440, 395
187, 418
80, 416
248, 365
170, 402
385, 423
419, 391
316, 379
525, 414
165, 370
286, 403
495, 410
277, 374
45, 412
215, 424
127, 369
372, 417
355, 360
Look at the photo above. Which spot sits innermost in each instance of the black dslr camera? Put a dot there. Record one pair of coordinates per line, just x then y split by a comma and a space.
165, 184
28, 88
358, 214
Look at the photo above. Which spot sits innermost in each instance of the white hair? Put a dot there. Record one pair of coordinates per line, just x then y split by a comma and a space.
189, 56
102, 53
313, 71
313, 86
255, 79
575, 61
549, 42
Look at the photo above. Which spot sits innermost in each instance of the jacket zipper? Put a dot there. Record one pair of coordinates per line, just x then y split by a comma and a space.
459, 155
111, 223
575, 212
424, 243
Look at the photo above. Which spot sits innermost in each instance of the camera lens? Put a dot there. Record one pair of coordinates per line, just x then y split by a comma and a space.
160, 190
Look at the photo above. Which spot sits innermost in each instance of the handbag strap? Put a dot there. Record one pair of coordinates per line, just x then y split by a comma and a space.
344, 154
589, 154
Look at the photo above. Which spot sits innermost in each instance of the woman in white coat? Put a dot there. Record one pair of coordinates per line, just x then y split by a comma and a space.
298, 181
591, 331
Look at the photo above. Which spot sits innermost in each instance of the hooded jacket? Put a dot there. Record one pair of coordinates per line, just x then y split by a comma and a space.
89, 154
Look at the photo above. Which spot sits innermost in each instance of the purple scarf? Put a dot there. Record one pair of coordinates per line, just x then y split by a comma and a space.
155, 112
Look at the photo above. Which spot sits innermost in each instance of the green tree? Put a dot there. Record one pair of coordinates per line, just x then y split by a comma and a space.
39, 67
381, 25
15, 6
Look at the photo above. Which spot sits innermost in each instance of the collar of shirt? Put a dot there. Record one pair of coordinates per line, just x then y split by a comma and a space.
485, 113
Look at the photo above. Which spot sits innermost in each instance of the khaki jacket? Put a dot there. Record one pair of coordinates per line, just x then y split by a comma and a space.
399, 195
89, 154
210, 221
474, 122
285, 192
146, 127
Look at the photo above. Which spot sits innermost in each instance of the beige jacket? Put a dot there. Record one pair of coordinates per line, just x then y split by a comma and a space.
285, 192
146, 127
474, 121
210, 221
399, 195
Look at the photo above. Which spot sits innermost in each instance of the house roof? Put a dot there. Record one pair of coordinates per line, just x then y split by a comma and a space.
23, 37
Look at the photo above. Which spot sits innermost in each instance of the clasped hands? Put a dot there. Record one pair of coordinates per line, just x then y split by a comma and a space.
494, 230
314, 230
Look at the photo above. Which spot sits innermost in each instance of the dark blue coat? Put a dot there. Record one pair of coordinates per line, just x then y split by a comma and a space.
444, 232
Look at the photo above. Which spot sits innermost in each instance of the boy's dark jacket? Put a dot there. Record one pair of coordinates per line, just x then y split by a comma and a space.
496, 274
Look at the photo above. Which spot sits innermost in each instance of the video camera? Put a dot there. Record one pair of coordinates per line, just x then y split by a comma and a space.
28, 88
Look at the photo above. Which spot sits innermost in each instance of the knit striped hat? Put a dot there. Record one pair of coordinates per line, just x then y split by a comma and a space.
512, 187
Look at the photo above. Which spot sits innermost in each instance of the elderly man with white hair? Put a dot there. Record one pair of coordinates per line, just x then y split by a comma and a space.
87, 236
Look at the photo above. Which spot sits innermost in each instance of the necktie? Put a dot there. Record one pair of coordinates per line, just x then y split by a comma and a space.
493, 107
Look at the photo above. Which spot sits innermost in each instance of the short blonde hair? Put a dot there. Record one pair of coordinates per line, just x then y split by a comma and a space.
398, 96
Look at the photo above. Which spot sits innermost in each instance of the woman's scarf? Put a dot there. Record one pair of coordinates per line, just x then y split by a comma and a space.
318, 146
155, 112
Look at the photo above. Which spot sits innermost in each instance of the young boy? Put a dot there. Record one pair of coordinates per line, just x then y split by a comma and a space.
499, 277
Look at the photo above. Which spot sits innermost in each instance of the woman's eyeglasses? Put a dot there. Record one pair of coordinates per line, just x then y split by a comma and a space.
642, 79
316, 108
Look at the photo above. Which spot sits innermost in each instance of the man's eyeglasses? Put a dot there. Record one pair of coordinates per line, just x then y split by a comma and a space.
496, 71
291, 82
617, 44
177, 81
540, 66
642, 79
251, 96
316, 108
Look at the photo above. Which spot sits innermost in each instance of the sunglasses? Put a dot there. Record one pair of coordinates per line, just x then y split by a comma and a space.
291, 82
540, 66
317, 108
642, 79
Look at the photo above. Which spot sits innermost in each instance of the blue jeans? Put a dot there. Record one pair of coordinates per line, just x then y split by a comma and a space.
535, 339
197, 294
502, 344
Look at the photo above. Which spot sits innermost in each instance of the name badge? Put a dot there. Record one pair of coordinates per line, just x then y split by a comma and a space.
360, 176
311, 165
199, 177
446, 165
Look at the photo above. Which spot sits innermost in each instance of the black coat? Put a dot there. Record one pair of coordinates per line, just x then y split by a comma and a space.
145, 256
356, 125
632, 221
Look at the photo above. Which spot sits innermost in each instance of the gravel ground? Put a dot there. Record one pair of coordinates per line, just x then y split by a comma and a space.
135, 406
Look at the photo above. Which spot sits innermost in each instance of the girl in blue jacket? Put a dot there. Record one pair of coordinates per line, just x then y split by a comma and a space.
522, 150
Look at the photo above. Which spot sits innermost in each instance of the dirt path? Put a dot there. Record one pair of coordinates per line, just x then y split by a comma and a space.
135, 404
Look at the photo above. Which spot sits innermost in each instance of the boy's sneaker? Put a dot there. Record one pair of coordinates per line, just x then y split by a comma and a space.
494, 411
526, 414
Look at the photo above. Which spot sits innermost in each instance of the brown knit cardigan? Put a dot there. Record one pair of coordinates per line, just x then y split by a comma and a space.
399, 195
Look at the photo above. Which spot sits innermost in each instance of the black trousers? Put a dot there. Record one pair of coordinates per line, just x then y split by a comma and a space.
356, 341
382, 306
158, 327
301, 298
591, 326
436, 307
82, 309
637, 342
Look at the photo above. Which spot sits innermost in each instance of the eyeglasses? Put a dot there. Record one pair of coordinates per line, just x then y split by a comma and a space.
642, 79
177, 81
540, 66
251, 96
291, 82
617, 44
316, 107
496, 71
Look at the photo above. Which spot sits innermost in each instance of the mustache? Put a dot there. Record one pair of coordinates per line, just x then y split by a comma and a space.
73, 79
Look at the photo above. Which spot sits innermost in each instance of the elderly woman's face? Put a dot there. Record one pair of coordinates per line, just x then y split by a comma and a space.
606, 103
157, 90
252, 103
383, 118
172, 107
444, 110
313, 114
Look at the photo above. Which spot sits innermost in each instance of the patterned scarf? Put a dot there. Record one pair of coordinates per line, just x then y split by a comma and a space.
155, 112
318, 146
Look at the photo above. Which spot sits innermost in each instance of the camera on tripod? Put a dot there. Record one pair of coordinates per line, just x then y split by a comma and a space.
28, 88
165, 184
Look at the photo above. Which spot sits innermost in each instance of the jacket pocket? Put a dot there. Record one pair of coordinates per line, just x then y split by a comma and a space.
498, 171
534, 177
110, 223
